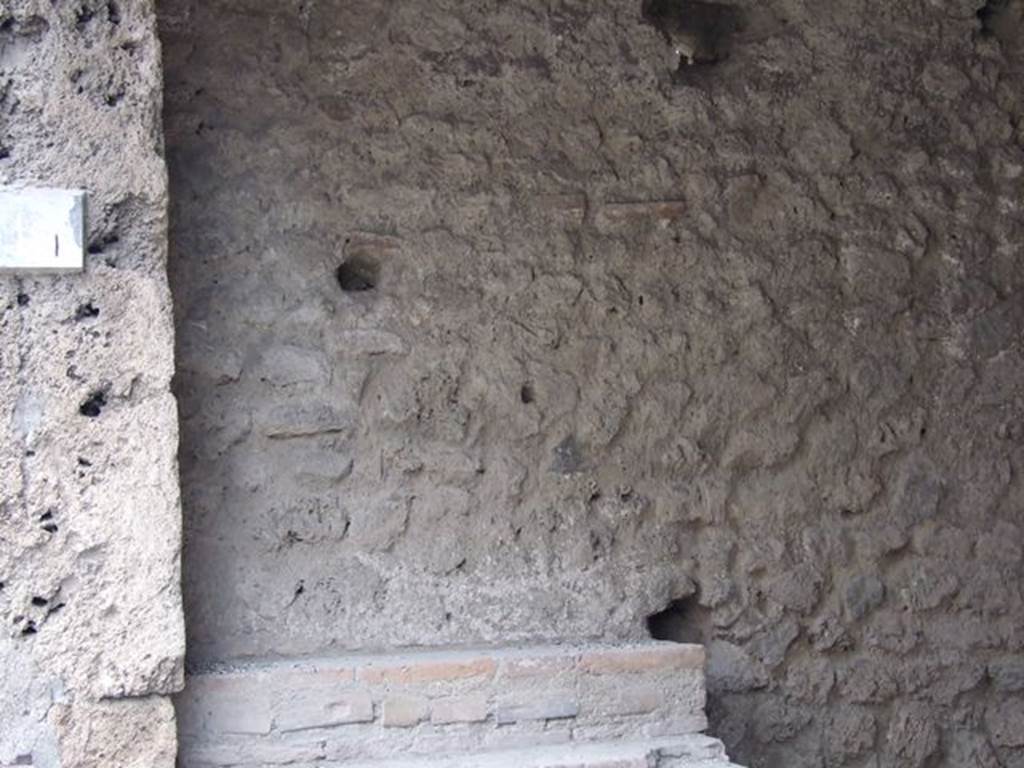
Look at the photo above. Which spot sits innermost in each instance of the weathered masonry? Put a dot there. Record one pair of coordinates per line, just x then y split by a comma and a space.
559, 706
504, 337
90, 523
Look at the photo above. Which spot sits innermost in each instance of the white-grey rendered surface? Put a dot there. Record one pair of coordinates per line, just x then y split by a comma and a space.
41, 230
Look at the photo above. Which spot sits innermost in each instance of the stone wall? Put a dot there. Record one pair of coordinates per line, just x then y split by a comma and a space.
501, 321
93, 638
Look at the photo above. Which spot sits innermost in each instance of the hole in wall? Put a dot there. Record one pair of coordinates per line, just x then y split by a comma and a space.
1003, 20
106, 227
100, 244
526, 394
33, 28
83, 17
988, 15
47, 521
93, 405
86, 311
683, 620
358, 274
699, 33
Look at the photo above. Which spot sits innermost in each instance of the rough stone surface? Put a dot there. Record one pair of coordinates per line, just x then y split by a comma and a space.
93, 638
493, 327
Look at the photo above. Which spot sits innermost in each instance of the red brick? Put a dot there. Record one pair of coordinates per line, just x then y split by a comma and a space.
667, 657
538, 667
428, 671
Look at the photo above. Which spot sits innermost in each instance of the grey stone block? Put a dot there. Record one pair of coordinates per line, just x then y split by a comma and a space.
473, 708
399, 711
306, 709
544, 708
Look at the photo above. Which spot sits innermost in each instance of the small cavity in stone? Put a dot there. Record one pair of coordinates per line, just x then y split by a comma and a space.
682, 621
86, 311
1003, 20
93, 405
699, 33
84, 16
357, 275
101, 244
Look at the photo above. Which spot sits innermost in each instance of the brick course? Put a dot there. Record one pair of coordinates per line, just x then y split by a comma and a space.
437, 701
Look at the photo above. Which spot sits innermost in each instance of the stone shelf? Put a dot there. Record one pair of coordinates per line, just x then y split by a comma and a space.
445, 704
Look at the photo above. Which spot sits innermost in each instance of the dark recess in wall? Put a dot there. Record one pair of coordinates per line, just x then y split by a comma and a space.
94, 404
681, 621
1004, 20
357, 275
702, 32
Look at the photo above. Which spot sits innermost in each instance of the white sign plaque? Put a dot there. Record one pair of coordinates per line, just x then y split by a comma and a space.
41, 230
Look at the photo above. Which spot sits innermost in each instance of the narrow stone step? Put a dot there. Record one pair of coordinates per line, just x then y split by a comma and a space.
433, 703
694, 751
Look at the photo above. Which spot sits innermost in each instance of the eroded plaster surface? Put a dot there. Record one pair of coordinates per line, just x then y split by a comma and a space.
513, 320
92, 639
